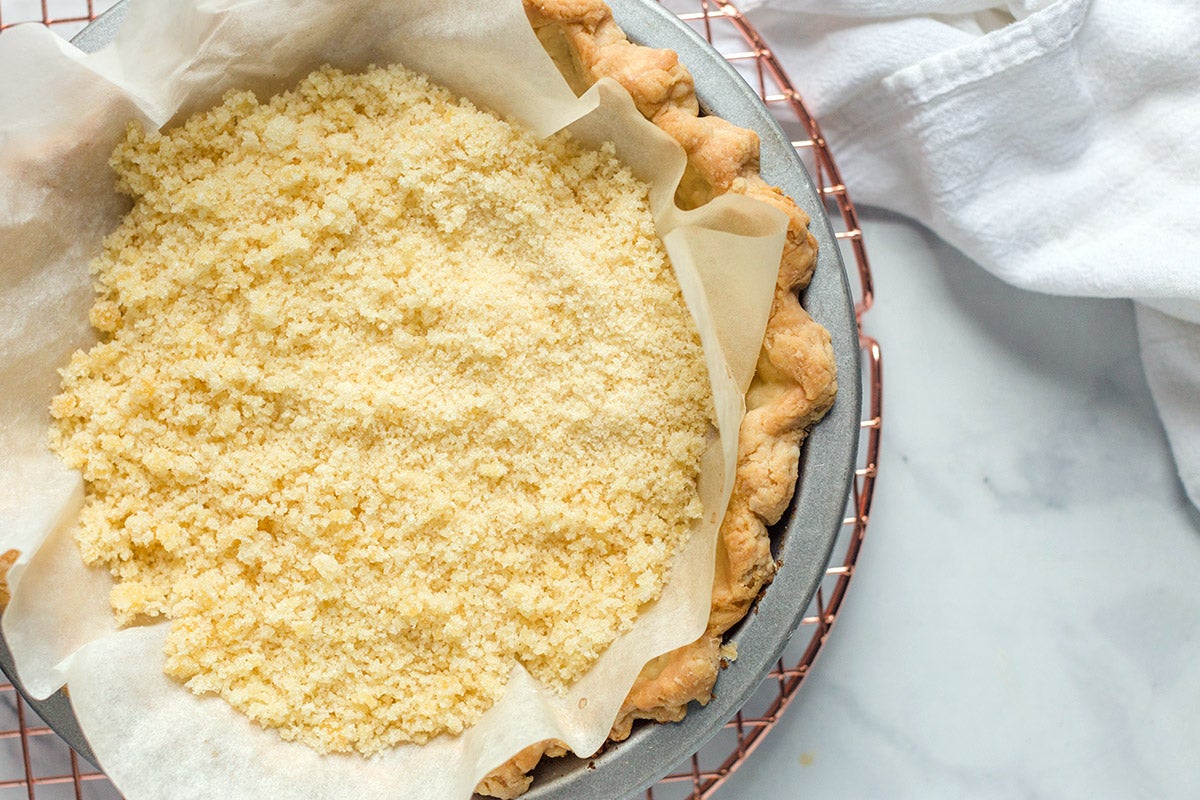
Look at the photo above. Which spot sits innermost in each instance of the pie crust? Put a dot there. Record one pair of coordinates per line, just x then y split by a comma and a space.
795, 380
793, 387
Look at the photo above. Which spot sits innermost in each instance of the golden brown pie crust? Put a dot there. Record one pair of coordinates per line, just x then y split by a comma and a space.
6, 561
794, 384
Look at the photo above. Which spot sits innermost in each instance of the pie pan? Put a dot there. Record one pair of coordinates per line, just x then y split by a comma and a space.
801, 541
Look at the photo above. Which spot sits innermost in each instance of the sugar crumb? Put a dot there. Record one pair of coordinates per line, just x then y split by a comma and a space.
390, 395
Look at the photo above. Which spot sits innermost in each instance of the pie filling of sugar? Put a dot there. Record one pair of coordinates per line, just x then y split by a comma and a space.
391, 394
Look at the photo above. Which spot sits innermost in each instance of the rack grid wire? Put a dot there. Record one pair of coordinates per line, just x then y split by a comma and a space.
36, 764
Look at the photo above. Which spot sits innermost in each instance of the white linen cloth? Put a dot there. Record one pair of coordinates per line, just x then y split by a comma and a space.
1055, 142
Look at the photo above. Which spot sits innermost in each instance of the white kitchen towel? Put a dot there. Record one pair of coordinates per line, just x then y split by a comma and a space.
1055, 142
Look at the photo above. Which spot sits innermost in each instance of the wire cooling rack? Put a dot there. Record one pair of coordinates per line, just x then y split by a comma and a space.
35, 763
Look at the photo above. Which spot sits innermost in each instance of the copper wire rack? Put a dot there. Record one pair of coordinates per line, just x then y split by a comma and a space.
36, 763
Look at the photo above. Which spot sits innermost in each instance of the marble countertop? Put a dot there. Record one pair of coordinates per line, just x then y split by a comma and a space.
1025, 618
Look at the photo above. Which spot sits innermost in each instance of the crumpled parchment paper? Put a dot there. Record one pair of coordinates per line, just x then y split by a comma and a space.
61, 113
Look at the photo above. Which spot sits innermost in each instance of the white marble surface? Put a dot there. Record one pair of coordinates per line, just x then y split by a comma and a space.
1025, 621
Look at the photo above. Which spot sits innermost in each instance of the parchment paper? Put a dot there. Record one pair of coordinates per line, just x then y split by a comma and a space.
61, 113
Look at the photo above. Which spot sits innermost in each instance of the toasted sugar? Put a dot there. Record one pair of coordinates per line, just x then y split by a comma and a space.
393, 394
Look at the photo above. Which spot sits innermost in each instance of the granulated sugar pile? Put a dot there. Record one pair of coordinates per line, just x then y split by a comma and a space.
390, 395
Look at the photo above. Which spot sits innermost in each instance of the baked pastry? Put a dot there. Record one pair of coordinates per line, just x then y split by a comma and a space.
669, 683
794, 384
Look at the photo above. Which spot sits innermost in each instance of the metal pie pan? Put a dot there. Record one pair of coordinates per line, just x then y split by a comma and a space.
802, 540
